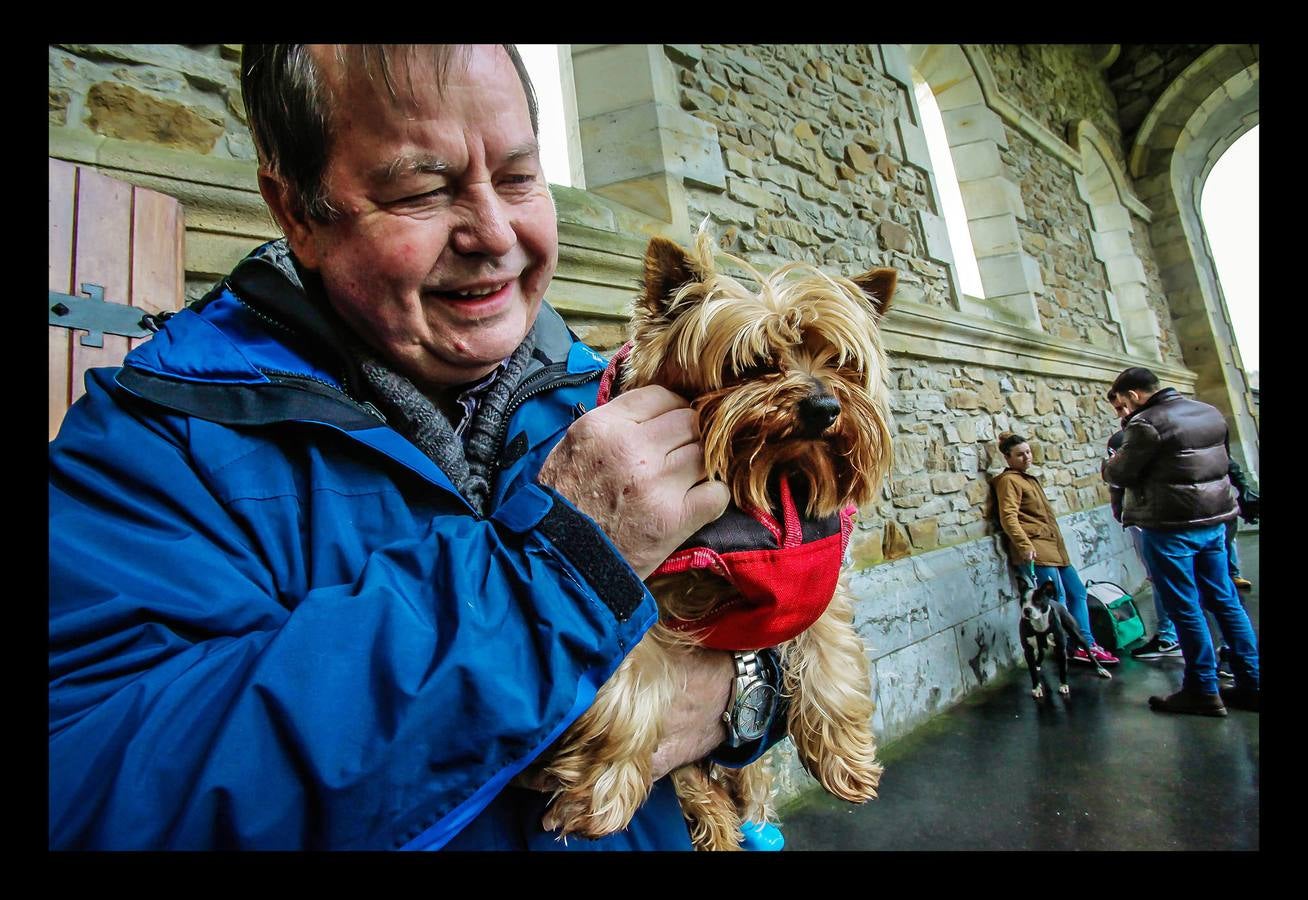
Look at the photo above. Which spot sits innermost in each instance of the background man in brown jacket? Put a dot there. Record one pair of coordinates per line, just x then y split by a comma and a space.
1173, 464
1035, 541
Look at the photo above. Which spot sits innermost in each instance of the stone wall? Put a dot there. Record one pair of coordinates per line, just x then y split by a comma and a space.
183, 96
1059, 84
815, 167
947, 420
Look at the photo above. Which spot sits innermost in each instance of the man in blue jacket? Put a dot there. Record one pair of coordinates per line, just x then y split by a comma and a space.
344, 547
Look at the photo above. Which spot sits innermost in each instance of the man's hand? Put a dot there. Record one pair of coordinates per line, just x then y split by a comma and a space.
693, 727
1029, 556
635, 466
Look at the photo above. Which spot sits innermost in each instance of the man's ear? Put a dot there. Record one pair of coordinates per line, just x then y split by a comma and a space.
879, 286
291, 217
667, 268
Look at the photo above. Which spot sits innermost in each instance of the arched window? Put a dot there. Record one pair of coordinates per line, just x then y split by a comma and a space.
951, 198
1229, 206
550, 68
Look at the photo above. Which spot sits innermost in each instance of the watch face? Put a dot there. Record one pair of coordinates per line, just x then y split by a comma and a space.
753, 708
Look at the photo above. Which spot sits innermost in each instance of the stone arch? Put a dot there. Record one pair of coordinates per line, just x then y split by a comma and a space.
991, 198
1209, 106
1101, 185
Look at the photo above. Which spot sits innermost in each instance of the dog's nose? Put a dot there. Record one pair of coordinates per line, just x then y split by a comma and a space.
817, 413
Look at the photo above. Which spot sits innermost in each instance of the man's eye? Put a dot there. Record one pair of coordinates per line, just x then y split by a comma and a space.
425, 197
518, 180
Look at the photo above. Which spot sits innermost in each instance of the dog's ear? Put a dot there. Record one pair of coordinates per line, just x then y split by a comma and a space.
667, 268
879, 285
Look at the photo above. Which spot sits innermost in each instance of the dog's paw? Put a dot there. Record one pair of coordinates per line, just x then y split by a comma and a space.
1064, 690
1037, 670
1038, 692
1103, 673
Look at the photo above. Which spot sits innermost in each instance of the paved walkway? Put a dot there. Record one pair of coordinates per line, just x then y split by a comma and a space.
1099, 771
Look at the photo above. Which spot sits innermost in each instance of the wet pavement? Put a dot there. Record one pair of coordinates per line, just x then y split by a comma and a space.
1096, 771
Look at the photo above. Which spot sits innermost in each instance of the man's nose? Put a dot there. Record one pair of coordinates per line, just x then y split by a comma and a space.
486, 228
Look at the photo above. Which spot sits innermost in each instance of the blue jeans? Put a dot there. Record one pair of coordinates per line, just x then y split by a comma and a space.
1232, 556
1071, 593
1166, 630
1189, 572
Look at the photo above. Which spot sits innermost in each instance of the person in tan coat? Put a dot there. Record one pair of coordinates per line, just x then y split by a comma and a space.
1035, 545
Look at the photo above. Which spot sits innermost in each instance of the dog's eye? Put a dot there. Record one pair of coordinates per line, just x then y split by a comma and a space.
751, 372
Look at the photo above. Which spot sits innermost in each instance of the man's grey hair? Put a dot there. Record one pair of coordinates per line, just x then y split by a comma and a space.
288, 104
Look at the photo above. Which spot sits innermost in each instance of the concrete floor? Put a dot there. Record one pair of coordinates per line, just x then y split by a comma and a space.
1098, 771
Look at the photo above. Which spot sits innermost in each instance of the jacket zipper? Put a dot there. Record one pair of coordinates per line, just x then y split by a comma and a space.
316, 385
539, 383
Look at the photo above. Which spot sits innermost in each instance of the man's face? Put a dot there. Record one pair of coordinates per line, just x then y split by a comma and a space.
447, 238
1119, 406
1130, 401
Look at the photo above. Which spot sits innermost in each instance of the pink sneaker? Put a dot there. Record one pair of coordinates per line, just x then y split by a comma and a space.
1105, 658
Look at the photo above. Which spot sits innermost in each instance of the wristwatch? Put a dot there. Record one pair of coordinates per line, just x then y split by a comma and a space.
753, 698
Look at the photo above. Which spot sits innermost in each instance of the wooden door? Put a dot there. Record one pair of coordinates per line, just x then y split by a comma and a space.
127, 239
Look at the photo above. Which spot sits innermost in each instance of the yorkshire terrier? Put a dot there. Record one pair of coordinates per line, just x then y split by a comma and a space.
789, 384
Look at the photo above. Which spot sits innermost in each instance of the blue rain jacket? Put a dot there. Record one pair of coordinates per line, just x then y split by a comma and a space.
275, 623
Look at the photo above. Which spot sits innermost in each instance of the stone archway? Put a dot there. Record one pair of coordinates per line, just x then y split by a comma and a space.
1209, 106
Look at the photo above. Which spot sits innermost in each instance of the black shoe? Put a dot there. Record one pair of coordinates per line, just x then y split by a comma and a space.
1157, 648
1242, 698
1191, 703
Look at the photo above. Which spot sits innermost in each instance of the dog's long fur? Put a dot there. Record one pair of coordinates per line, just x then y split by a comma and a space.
747, 360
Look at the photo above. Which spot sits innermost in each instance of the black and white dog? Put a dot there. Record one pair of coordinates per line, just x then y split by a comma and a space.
1046, 625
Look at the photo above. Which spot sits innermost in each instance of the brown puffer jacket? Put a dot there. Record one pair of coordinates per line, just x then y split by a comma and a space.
1028, 520
1173, 465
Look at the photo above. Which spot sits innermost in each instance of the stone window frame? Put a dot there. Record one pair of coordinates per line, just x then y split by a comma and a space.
940, 244
1102, 186
992, 198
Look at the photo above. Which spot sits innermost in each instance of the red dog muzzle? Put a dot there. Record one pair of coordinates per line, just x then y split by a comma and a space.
784, 572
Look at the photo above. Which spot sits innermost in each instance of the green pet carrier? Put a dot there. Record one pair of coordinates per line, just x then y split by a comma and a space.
1114, 618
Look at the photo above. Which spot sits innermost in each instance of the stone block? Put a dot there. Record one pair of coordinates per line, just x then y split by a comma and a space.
977, 161
995, 235
989, 397
688, 55
977, 491
866, 547
996, 196
858, 159
121, 111
962, 398
967, 124
924, 534
895, 543
948, 482
895, 237
752, 195
790, 151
